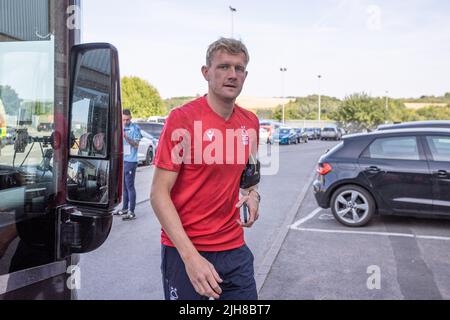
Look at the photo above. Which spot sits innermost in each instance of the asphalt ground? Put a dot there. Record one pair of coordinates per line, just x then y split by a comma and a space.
394, 258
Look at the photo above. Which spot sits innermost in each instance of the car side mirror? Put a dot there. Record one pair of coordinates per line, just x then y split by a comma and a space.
95, 132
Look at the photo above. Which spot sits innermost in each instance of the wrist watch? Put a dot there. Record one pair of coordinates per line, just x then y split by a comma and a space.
257, 194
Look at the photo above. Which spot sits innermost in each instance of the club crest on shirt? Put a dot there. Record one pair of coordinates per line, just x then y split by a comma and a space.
210, 135
245, 136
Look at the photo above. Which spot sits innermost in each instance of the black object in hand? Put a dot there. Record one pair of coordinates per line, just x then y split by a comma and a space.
245, 213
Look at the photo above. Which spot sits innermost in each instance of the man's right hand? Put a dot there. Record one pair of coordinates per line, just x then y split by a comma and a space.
203, 276
200, 271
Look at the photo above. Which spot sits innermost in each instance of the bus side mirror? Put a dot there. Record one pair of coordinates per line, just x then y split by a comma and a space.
95, 132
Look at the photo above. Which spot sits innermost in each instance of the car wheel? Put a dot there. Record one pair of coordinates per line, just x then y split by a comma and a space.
149, 157
352, 206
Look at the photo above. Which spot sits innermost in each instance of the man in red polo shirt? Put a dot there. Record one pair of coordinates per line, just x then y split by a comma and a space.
203, 151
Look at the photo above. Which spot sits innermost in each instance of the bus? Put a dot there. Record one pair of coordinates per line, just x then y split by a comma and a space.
59, 186
157, 119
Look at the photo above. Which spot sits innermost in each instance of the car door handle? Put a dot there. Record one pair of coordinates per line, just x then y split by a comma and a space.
441, 173
373, 169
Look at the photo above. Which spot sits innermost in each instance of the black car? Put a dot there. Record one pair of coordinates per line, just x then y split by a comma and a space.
402, 172
318, 133
416, 124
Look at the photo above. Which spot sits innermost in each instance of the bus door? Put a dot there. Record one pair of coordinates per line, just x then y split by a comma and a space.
56, 194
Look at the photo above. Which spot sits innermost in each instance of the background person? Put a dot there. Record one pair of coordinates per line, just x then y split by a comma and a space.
131, 137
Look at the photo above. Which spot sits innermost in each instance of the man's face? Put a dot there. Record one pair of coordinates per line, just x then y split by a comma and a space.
126, 121
226, 75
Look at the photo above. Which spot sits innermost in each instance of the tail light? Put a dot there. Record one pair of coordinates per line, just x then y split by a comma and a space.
324, 168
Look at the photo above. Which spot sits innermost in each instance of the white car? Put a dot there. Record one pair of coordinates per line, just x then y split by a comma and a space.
264, 136
147, 148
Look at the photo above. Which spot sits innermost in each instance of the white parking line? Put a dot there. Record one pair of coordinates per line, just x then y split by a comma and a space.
433, 238
372, 233
306, 219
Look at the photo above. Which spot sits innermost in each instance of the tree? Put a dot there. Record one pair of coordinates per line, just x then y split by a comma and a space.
306, 108
434, 113
176, 102
141, 98
11, 100
360, 112
265, 113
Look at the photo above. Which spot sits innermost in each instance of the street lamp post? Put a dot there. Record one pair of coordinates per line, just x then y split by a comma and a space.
283, 71
233, 10
386, 110
320, 101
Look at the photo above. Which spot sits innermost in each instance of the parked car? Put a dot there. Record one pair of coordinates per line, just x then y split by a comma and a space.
312, 134
154, 129
318, 132
271, 127
45, 127
265, 137
415, 124
302, 136
147, 148
157, 119
10, 135
331, 133
403, 172
285, 136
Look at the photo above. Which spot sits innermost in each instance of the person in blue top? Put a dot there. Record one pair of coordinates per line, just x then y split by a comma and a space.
131, 137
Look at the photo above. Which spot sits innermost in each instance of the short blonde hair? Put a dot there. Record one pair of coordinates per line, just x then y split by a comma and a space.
231, 46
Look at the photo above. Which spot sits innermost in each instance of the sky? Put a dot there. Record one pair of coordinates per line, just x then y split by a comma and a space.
398, 47
25, 67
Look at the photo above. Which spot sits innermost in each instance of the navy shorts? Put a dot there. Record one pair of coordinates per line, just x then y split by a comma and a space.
235, 268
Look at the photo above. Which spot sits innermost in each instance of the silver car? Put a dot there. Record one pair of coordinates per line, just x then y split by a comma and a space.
331, 133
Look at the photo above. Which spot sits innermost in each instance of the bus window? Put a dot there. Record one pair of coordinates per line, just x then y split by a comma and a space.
28, 170
90, 107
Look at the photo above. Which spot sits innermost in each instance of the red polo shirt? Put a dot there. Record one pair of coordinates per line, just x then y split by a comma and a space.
209, 154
